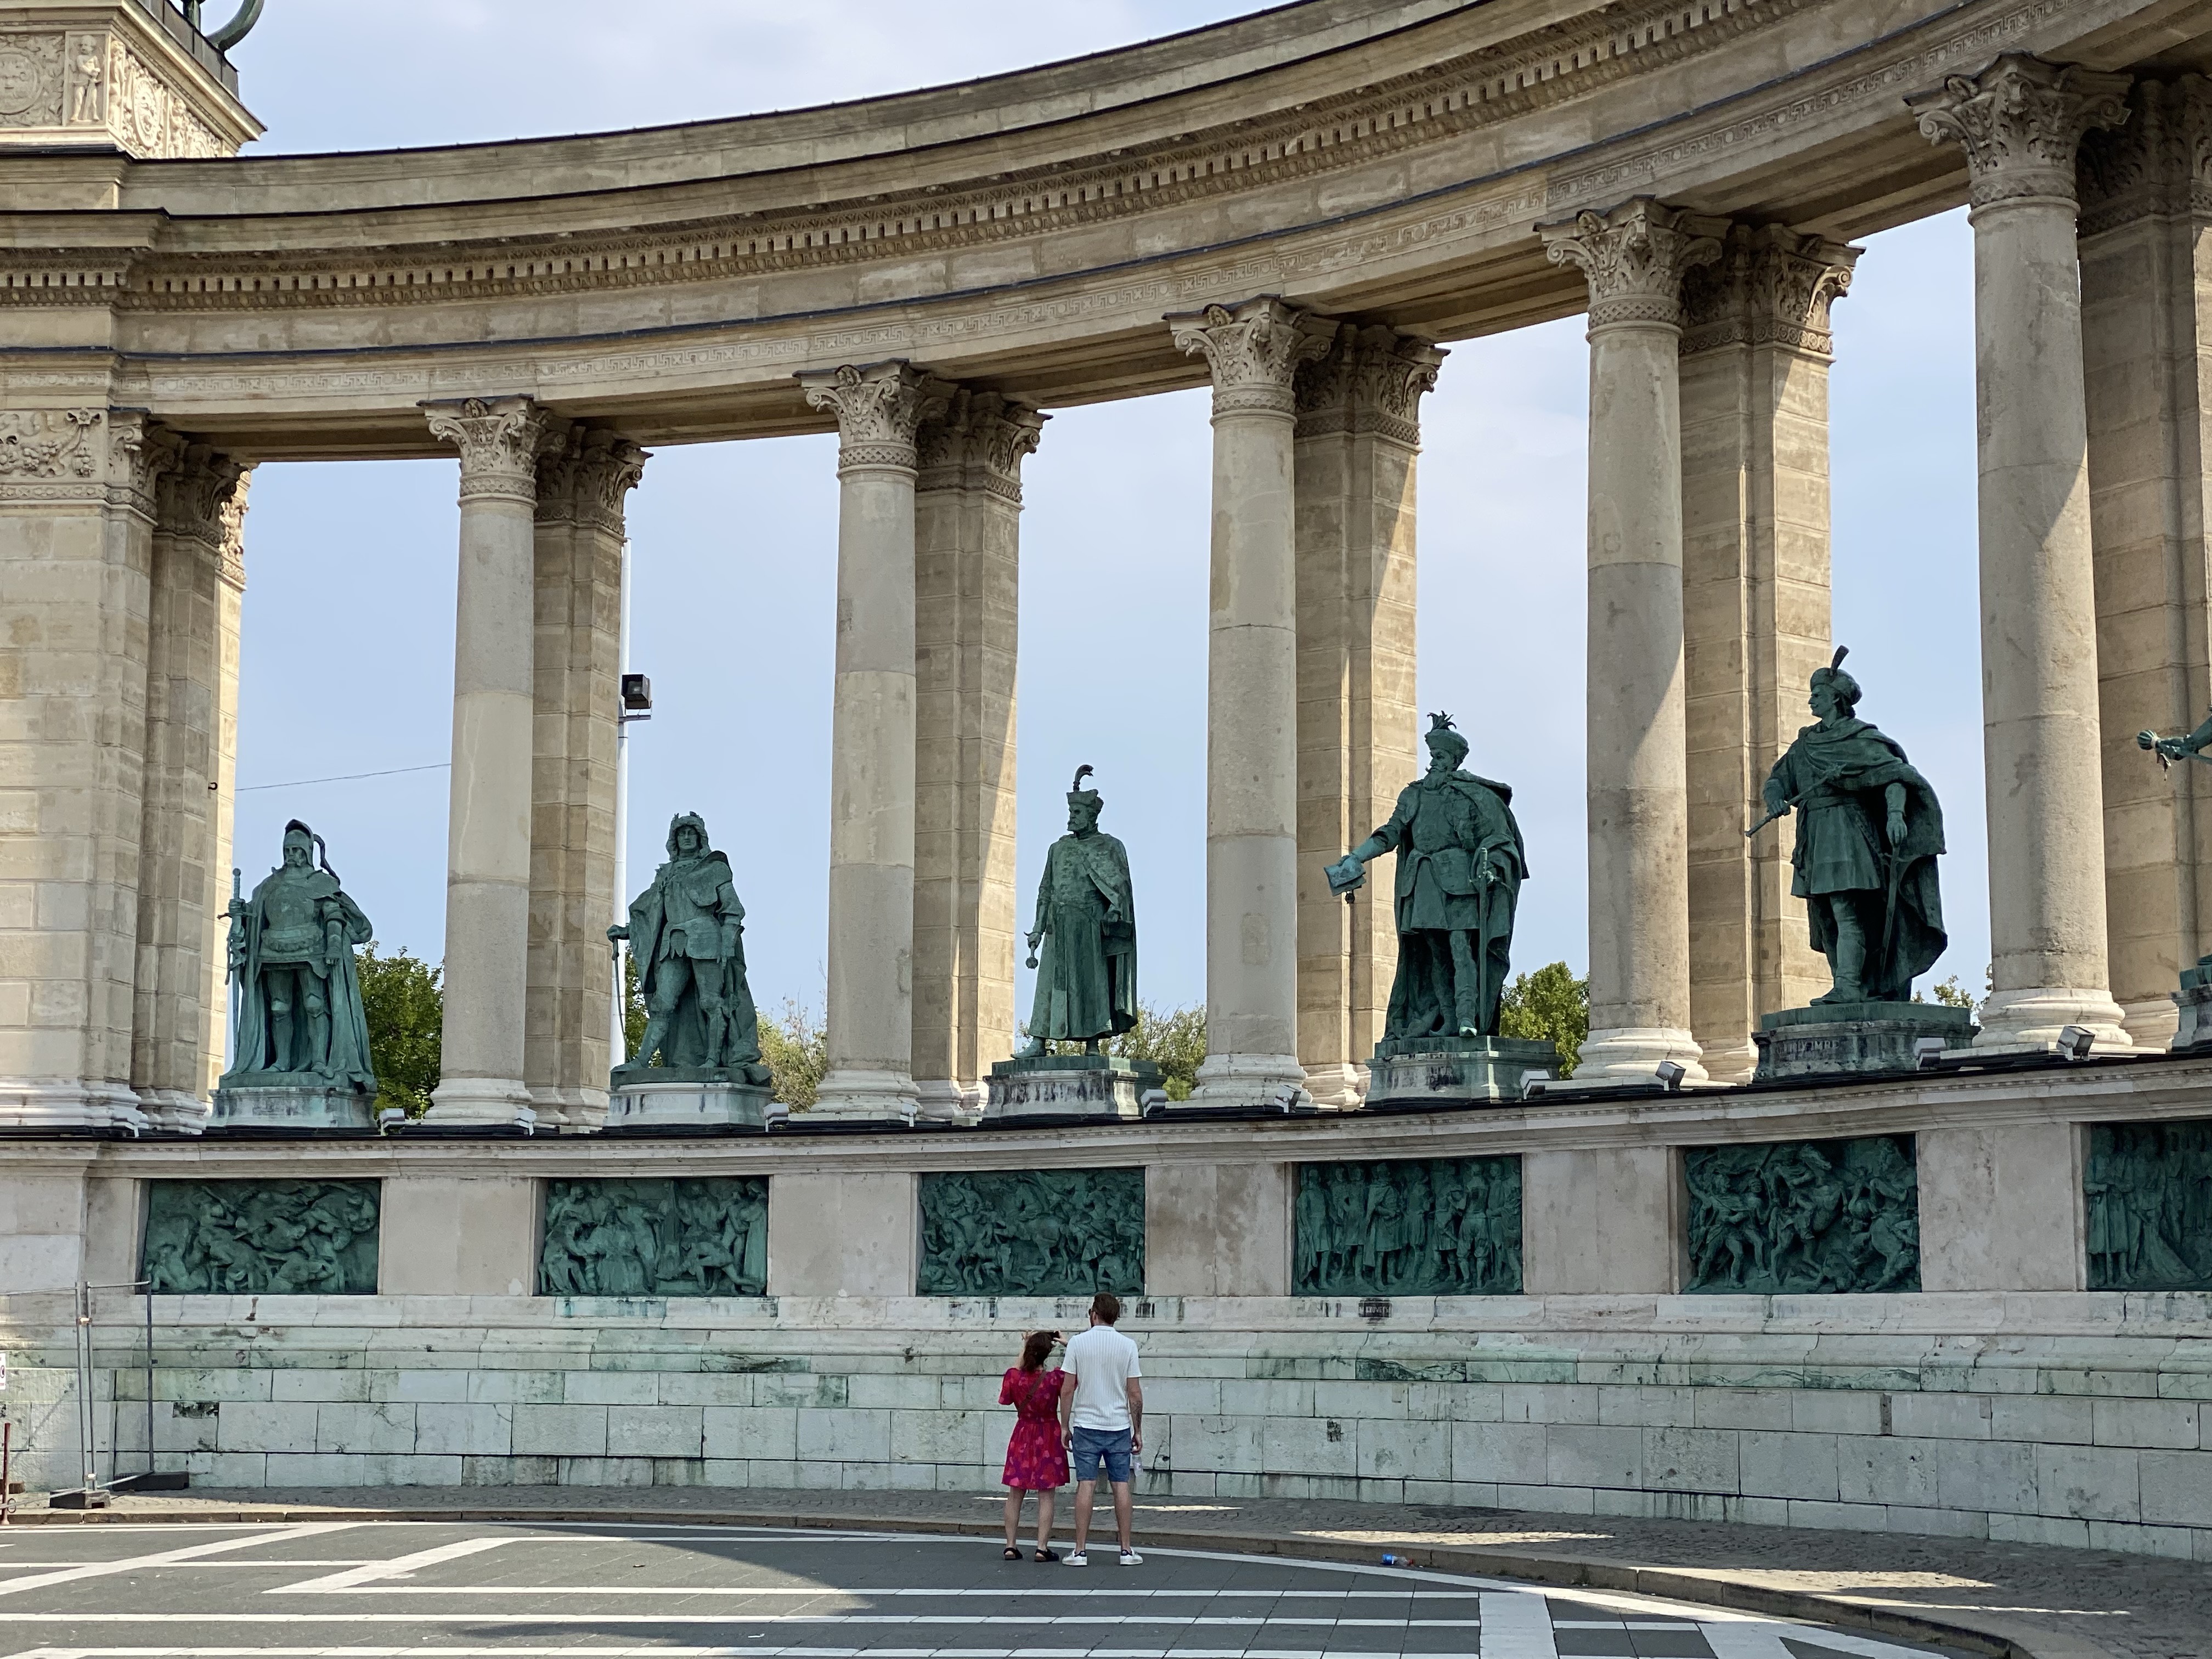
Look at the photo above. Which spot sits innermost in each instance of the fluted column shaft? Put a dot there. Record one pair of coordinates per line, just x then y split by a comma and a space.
488, 829
1635, 257
1254, 351
2021, 122
879, 410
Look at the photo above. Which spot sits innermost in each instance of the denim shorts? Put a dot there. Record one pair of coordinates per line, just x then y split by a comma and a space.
1111, 1445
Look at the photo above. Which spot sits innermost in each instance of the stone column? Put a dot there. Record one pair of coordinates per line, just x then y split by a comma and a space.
222, 784
577, 649
1254, 351
487, 846
1754, 395
968, 505
2021, 122
77, 531
182, 887
2146, 246
880, 410
1635, 257
1358, 436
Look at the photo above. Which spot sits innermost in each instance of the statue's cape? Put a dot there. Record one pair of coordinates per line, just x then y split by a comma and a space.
349, 1020
1498, 832
1857, 759
1106, 862
704, 883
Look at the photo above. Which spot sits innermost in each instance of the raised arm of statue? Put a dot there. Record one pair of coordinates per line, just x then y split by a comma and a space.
2194, 744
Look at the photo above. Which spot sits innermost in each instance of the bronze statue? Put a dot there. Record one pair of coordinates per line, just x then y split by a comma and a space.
1461, 864
687, 931
1868, 833
300, 1014
1083, 941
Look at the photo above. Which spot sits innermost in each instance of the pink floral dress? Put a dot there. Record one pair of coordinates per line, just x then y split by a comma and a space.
1036, 1459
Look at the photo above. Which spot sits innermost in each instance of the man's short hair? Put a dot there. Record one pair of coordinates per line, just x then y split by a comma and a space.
1106, 1307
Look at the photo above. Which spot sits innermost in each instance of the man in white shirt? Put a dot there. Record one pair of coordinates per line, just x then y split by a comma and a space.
1103, 1419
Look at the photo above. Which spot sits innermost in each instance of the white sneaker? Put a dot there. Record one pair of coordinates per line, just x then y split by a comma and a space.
1075, 1559
1131, 1558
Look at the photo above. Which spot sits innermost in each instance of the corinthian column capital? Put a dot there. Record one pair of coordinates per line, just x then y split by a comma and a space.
880, 407
1770, 286
194, 493
231, 550
1634, 256
1254, 351
2020, 121
979, 441
501, 439
1371, 379
587, 479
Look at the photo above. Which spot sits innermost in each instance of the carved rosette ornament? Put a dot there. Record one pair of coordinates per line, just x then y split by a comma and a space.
2158, 162
500, 441
1770, 286
1371, 379
1635, 257
2021, 122
587, 479
880, 409
1254, 351
980, 443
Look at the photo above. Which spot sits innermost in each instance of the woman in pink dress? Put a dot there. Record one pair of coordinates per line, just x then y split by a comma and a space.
1036, 1460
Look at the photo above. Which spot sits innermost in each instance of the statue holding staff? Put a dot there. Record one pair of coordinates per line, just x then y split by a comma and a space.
300, 1013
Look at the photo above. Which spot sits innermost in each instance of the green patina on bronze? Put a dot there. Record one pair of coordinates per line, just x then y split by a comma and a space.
1082, 940
1804, 1218
1869, 830
2149, 1192
1438, 1226
1459, 865
686, 933
300, 1023
702, 1236
261, 1237
1032, 1232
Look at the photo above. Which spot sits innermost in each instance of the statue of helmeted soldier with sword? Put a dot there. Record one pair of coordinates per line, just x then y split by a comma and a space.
1868, 833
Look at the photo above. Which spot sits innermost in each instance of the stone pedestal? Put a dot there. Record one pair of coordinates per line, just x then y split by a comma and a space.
1061, 1085
680, 1098
1838, 1039
299, 1100
1446, 1071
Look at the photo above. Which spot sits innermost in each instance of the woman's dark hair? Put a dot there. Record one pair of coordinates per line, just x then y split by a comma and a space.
1035, 1350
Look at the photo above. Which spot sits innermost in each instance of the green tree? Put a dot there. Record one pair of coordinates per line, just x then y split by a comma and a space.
1173, 1039
795, 1043
1949, 993
406, 1009
1549, 1005
634, 1014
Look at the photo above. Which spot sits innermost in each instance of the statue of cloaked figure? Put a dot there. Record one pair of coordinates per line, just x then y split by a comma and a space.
1869, 831
1461, 864
1083, 940
300, 1013
687, 934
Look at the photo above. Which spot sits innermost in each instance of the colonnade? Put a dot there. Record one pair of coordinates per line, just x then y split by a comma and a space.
1709, 574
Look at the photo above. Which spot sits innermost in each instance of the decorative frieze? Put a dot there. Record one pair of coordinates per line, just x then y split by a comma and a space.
587, 479
1032, 1232
1370, 379
705, 1235
880, 409
1438, 1226
261, 1237
1770, 286
1254, 351
2021, 122
49, 443
979, 442
1635, 257
500, 441
2148, 1188
1804, 1218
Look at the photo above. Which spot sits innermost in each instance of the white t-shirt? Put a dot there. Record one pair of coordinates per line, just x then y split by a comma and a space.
1102, 1361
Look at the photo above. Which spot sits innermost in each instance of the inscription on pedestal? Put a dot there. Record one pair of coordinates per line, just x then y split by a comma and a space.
1032, 1232
261, 1237
1438, 1226
2149, 1193
1804, 1218
707, 1237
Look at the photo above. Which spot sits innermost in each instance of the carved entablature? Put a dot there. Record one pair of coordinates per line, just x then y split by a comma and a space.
1254, 351
2157, 163
1635, 257
1371, 379
880, 409
501, 439
979, 443
587, 479
2021, 122
1770, 286
194, 496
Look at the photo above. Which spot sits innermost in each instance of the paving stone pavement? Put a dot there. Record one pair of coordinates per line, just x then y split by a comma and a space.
2056, 1603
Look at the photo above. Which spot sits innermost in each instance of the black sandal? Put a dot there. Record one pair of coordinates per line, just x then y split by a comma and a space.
1012, 1554
1048, 1554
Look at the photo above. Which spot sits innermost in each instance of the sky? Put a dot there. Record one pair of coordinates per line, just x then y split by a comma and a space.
734, 545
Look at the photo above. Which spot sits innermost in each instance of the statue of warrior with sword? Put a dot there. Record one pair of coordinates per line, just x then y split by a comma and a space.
1868, 833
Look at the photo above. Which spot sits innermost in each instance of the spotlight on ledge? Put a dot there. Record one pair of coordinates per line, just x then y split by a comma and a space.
388, 1119
1927, 1054
775, 1116
1532, 1085
1670, 1076
1153, 1102
2075, 1042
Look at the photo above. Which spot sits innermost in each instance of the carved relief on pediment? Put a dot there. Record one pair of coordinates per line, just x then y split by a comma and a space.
30, 80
